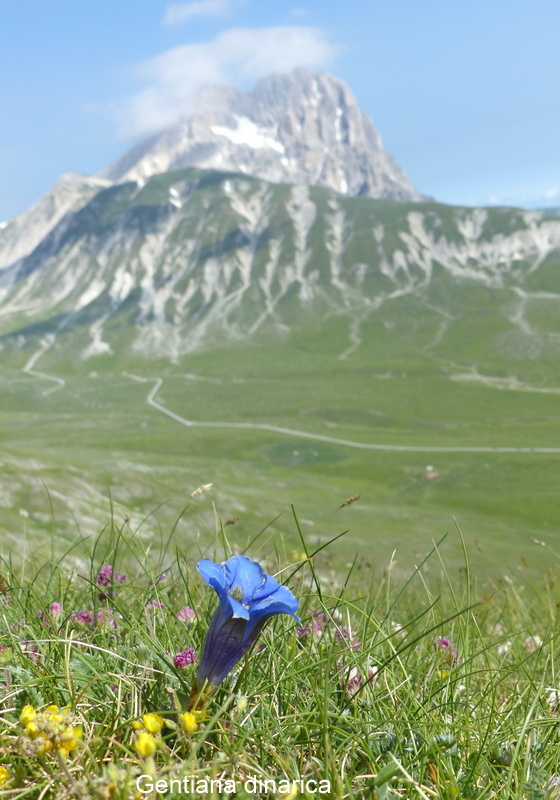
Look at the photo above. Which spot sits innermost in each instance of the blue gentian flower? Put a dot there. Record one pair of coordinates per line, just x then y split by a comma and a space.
248, 599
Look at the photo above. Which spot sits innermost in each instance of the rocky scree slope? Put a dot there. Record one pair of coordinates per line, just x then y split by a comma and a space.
193, 258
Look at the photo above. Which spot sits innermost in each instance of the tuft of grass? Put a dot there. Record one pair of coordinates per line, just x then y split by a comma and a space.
427, 688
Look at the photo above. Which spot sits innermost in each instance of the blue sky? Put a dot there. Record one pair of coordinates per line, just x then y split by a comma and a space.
464, 93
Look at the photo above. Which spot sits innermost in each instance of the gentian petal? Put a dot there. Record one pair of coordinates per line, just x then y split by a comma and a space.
281, 602
214, 575
238, 610
275, 591
244, 574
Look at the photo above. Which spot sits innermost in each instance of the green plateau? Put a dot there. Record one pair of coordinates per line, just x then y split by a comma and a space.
264, 316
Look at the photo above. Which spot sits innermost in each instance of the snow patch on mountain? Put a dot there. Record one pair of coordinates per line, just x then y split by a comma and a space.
248, 133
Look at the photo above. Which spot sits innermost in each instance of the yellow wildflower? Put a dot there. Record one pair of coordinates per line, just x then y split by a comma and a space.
153, 722
4, 776
189, 721
70, 739
145, 744
44, 745
27, 715
47, 730
54, 715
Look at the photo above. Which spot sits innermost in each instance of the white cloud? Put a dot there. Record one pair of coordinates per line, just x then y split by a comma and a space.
550, 194
235, 56
177, 13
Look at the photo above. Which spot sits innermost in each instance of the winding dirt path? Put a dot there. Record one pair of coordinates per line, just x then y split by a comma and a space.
46, 343
189, 423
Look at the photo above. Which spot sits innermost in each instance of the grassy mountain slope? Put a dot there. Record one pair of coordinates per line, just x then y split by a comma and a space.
349, 318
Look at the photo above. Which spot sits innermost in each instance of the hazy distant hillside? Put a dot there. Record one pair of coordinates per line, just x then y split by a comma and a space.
195, 258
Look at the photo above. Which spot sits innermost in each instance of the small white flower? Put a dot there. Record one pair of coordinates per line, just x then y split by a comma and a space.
398, 629
553, 699
532, 643
504, 647
372, 672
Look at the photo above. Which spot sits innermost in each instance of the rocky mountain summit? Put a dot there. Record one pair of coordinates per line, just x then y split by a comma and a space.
301, 128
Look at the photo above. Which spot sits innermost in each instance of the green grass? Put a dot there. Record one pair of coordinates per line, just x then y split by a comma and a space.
96, 438
384, 711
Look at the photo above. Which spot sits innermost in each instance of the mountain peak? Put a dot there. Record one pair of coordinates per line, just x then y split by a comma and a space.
304, 127
20, 235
